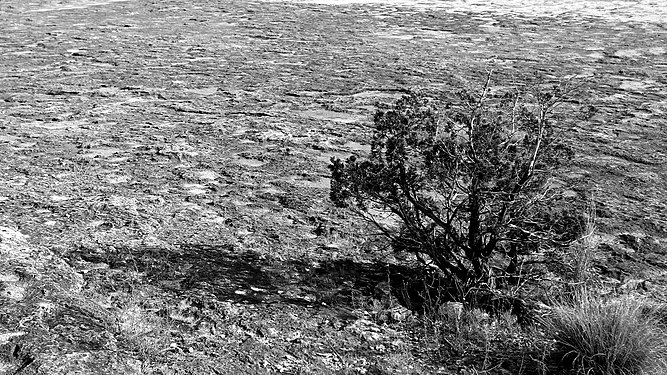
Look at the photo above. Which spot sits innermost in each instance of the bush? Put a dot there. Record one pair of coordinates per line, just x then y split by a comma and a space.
458, 181
616, 337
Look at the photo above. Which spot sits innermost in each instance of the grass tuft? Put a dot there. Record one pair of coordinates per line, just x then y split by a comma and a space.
610, 337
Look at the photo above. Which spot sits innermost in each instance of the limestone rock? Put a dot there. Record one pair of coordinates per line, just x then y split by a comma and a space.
46, 325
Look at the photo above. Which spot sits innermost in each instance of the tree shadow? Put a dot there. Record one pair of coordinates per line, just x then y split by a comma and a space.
254, 278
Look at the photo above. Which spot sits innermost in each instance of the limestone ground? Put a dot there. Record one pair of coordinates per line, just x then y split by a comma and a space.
174, 155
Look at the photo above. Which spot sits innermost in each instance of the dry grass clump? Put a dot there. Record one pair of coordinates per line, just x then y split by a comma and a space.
611, 337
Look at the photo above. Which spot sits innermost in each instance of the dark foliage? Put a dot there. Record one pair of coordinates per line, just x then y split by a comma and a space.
463, 181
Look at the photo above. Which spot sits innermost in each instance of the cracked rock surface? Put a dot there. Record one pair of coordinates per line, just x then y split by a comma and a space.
164, 183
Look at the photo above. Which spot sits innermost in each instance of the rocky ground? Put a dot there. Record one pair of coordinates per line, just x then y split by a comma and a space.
164, 184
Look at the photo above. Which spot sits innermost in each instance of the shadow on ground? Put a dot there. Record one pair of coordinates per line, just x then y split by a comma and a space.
250, 277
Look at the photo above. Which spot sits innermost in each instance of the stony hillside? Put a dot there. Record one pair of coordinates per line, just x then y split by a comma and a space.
164, 184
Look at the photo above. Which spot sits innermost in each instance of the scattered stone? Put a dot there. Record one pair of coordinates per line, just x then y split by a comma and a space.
634, 285
453, 311
400, 313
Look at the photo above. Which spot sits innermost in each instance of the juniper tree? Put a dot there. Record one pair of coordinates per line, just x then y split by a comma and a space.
462, 181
